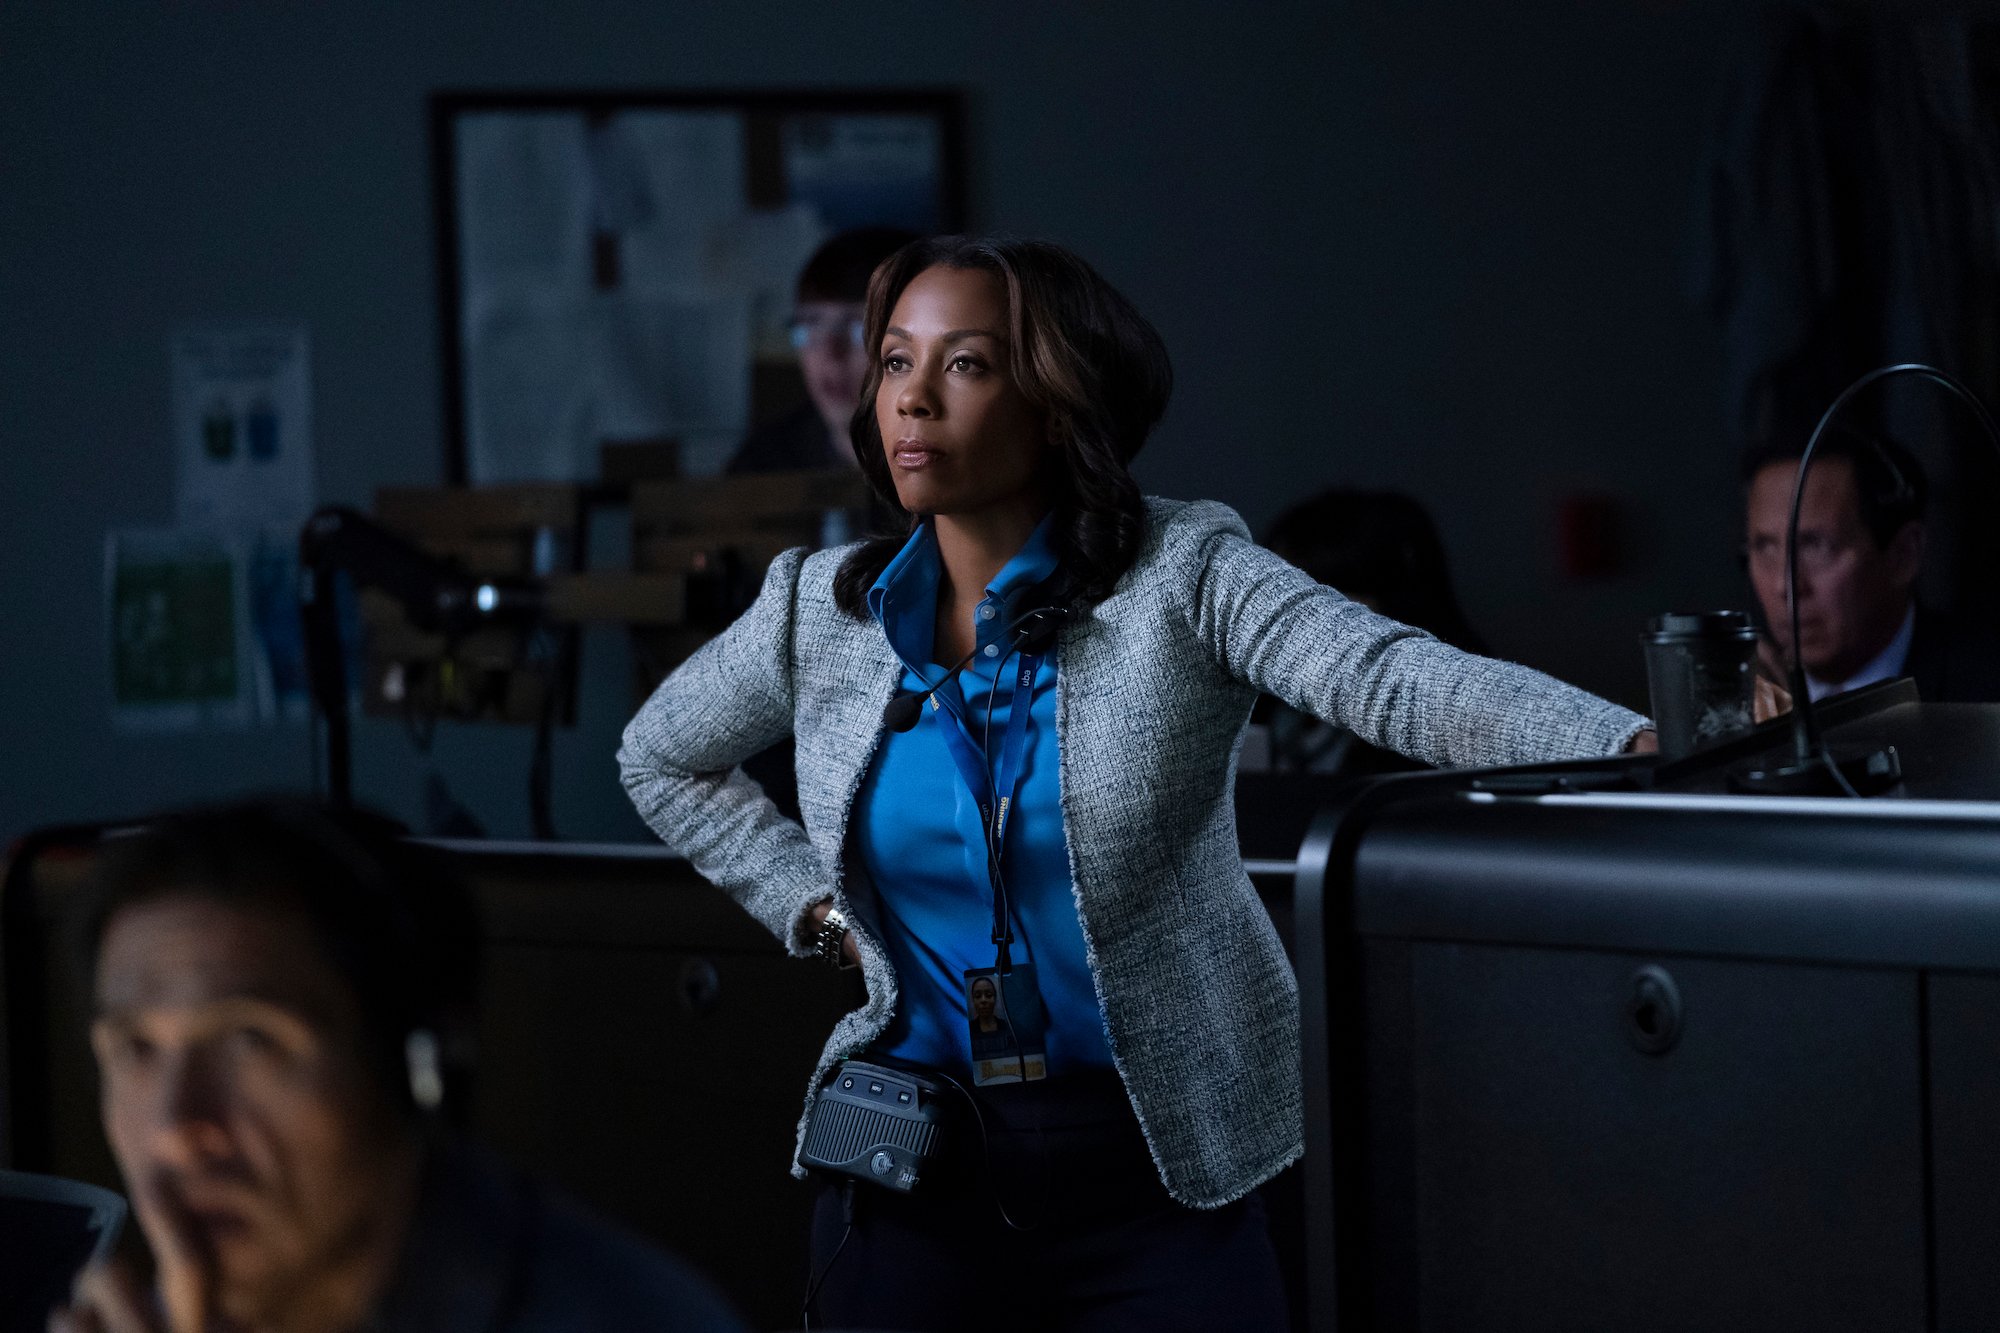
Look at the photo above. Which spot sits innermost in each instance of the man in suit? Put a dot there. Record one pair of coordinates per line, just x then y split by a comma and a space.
1861, 548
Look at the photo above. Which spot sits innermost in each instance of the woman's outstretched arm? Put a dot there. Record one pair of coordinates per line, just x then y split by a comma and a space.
1269, 625
680, 758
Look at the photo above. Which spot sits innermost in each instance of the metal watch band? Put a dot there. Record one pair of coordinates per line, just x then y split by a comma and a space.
832, 931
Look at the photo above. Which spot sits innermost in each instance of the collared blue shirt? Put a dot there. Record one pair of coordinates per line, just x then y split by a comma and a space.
918, 831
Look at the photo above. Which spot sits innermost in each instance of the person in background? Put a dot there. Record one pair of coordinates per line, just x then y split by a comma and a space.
1861, 548
1380, 549
283, 1007
826, 334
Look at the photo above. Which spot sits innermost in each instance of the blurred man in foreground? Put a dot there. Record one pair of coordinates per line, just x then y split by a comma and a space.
283, 1011
1861, 548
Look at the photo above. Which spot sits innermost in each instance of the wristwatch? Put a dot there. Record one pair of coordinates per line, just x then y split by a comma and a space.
832, 934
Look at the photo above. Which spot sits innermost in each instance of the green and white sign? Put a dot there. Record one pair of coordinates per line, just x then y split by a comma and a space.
177, 630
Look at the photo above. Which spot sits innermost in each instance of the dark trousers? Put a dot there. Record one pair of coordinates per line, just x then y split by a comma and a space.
1104, 1246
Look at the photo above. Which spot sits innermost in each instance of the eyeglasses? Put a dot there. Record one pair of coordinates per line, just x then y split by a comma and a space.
829, 333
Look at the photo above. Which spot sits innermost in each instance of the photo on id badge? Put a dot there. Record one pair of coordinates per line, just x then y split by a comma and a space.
1005, 1016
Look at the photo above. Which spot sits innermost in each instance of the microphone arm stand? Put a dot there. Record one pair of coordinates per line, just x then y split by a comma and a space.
436, 594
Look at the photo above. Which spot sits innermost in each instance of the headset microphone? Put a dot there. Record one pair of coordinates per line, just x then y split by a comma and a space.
904, 710
1032, 632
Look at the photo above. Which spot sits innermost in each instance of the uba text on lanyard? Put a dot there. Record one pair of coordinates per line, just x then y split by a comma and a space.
1003, 1009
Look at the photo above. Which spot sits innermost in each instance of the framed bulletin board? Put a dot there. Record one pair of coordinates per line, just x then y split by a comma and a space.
618, 267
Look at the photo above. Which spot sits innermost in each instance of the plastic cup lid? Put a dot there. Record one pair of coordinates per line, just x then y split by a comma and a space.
1701, 625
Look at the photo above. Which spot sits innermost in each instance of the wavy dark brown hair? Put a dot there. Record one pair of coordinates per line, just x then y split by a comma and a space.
1086, 360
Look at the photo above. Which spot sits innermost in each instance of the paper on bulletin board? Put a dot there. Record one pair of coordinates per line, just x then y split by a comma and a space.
865, 169
553, 380
180, 653
763, 254
242, 424
524, 190
692, 163
607, 294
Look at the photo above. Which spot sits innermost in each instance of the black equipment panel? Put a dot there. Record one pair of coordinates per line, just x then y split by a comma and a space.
1567, 1178
1963, 1016
1585, 1054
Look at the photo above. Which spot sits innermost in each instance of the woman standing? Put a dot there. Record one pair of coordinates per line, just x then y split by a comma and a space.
1058, 822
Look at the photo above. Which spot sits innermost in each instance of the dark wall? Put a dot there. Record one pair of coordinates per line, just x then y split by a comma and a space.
1435, 246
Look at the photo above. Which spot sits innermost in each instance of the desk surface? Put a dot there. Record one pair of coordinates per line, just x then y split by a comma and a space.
1949, 752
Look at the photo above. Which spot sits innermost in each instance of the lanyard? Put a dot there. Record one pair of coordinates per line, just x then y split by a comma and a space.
988, 788
995, 793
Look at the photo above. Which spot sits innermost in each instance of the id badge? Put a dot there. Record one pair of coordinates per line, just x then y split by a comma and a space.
1009, 1027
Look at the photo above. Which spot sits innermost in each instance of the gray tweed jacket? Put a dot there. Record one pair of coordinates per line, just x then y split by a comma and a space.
1156, 685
